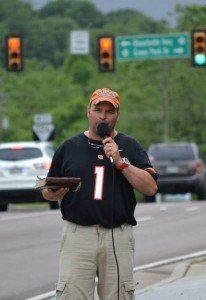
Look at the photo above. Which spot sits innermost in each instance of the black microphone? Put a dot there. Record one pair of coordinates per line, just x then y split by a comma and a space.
104, 131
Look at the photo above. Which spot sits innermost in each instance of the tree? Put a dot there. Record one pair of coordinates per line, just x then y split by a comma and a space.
49, 39
131, 22
15, 16
190, 17
84, 13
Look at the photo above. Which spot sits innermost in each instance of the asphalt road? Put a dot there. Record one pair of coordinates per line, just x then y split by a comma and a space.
169, 230
29, 245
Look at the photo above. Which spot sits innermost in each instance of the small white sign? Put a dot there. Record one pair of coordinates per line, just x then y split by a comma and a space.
43, 131
5, 123
42, 118
79, 42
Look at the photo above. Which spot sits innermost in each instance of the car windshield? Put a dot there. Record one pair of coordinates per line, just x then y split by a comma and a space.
172, 152
19, 153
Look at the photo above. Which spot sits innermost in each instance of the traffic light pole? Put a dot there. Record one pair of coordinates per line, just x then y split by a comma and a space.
1, 107
165, 102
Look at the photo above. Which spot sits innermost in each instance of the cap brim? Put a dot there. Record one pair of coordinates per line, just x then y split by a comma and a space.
95, 102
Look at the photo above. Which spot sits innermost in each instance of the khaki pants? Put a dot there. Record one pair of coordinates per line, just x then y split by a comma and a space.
87, 252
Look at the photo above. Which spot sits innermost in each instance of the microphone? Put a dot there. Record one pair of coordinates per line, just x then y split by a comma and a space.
104, 131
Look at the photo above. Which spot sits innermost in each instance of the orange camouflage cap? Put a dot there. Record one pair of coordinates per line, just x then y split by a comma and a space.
105, 94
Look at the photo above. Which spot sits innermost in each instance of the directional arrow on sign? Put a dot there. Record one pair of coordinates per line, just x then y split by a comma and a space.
125, 43
178, 50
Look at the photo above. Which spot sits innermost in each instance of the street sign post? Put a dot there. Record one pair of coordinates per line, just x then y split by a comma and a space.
154, 46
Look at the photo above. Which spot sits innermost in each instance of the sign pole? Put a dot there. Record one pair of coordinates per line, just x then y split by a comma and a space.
165, 101
1, 107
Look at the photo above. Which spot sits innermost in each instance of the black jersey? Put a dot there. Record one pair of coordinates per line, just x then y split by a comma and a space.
98, 201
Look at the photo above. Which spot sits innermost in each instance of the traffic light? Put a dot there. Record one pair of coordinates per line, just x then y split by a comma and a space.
14, 59
106, 54
199, 48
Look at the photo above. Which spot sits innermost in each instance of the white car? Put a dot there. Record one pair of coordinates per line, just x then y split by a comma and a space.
20, 164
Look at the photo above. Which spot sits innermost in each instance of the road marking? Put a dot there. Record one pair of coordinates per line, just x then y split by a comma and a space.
28, 215
170, 261
43, 296
192, 208
40, 214
143, 219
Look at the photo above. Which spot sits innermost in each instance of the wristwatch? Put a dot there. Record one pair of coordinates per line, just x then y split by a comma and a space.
125, 163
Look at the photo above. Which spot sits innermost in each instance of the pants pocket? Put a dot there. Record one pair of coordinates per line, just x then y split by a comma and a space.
128, 289
62, 292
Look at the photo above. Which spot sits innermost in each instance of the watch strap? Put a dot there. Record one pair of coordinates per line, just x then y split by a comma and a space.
123, 165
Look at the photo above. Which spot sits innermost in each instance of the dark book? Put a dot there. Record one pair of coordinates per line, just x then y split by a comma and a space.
54, 183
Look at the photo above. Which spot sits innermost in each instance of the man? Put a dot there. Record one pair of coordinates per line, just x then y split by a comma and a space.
105, 200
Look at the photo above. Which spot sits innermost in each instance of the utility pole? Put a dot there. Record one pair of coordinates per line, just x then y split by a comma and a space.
165, 102
1, 107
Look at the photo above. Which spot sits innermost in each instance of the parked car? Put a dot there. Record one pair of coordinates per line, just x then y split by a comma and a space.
20, 164
179, 167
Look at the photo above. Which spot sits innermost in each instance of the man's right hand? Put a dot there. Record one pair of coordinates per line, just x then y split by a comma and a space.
54, 195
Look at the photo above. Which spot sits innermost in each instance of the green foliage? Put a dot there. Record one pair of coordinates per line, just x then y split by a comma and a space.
187, 102
131, 22
191, 17
82, 12
53, 81
81, 69
48, 39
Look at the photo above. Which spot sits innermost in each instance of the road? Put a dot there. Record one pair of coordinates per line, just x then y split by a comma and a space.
169, 230
29, 245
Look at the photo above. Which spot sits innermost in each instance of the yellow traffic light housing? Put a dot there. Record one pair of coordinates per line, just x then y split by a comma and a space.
14, 54
199, 48
106, 54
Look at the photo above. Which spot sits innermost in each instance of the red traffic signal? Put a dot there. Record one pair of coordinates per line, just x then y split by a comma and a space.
199, 48
106, 54
14, 57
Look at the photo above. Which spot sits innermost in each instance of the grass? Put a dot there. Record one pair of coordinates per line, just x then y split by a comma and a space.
29, 206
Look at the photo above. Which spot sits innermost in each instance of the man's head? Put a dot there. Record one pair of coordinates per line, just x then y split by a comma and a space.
104, 107
105, 95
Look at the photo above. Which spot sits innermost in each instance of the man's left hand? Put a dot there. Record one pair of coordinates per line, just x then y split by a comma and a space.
111, 150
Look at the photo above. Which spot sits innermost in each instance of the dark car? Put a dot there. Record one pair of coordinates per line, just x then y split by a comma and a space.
179, 167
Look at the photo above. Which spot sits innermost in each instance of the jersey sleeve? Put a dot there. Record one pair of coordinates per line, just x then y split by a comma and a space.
56, 164
141, 160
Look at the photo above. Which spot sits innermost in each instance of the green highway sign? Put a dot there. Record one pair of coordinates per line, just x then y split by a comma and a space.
153, 46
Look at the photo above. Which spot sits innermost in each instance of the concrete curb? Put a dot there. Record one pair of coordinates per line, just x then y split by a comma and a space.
179, 272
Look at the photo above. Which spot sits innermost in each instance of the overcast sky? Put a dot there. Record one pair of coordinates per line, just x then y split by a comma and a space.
157, 9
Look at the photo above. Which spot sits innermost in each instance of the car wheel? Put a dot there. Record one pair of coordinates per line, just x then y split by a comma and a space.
54, 205
201, 194
4, 207
148, 199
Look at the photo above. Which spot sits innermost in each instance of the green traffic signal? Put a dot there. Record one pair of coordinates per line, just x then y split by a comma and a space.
200, 59
198, 42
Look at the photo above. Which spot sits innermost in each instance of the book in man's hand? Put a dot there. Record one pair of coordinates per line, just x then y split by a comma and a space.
54, 183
